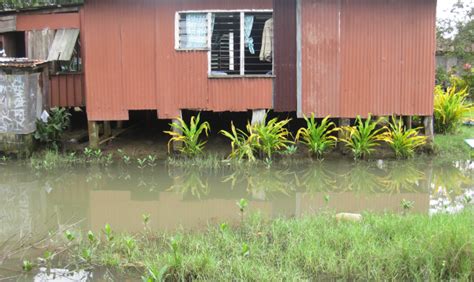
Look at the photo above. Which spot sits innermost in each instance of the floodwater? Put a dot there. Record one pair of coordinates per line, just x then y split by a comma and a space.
34, 204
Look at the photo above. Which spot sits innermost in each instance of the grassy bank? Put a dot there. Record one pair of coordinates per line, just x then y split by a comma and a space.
381, 247
452, 146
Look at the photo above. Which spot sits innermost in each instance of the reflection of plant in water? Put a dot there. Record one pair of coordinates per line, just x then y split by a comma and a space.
191, 181
317, 178
450, 180
262, 180
361, 178
402, 177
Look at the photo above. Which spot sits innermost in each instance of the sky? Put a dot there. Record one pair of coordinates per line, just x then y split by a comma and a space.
444, 6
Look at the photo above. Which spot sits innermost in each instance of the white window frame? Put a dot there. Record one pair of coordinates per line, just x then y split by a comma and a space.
179, 14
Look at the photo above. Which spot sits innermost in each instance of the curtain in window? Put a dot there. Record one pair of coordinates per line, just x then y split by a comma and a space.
196, 30
248, 25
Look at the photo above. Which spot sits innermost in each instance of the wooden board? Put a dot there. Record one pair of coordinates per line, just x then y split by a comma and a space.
7, 24
63, 45
38, 43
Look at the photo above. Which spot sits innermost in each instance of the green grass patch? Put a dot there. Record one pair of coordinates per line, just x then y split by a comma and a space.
452, 146
381, 247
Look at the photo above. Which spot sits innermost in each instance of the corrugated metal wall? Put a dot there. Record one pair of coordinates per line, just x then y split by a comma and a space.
284, 92
367, 56
66, 90
131, 63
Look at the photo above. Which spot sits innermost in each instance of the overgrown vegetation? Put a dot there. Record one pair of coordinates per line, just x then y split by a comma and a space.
49, 132
244, 144
189, 136
362, 138
450, 106
403, 247
26, 4
403, 141
318, 138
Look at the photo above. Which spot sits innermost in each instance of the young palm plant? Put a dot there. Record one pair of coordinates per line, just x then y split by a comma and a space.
403, 141
243, 143
317, 137
362, 138
189, 135
272, 136
449, 108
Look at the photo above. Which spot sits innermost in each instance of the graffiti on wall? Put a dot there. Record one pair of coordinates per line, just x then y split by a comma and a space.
19, 102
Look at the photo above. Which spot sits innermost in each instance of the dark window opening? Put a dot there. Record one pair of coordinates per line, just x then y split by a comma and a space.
13, 44
225, 47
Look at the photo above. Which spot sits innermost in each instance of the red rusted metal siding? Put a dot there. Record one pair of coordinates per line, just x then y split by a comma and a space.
368, 56
284, 14
131, 62
67, 90
26, 22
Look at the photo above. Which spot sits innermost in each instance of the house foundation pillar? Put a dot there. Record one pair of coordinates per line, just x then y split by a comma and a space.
258, 116
429, 128
94, 137
177, 145
343, 134
408, 122
107, 129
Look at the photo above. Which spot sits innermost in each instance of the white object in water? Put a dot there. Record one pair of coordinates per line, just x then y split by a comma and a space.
470, 142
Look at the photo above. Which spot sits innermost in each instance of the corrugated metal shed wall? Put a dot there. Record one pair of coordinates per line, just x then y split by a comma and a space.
284, 14
131, 63
368, 56
66, 90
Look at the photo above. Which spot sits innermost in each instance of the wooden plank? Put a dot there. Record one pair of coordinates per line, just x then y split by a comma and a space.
38, 43
63, 45
7, 24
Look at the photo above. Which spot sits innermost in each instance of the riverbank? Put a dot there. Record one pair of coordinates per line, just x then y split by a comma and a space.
380, 247
453, 146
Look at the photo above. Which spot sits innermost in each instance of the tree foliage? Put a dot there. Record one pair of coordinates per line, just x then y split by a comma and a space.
6, 5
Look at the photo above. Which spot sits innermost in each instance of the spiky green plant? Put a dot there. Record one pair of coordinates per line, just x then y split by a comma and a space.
403, 141
272, 136
317, 137
243, 143
189, 135
449, 108
362, 138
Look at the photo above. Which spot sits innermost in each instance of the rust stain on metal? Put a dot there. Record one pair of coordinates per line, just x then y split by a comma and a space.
26, 22
131, 63
368, 56
284, 14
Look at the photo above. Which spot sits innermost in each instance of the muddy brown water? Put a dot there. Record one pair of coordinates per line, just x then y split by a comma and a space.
36, 203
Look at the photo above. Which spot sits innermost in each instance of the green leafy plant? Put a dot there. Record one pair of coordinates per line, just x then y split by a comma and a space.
189, 135
407, 205
27, 265
317, 137
69, 236
108, 232
403, 141
244, 144
142, 163
245, 250
272, 136
242, 204
362, 138
50, 132
449, 108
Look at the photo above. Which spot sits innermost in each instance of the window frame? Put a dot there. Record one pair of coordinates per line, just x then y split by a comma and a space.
209, 13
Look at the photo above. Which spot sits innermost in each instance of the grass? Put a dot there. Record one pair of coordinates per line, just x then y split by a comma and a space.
452, 146
381, 247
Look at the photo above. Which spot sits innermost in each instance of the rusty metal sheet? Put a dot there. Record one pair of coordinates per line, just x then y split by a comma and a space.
131, 63
372, 56
25, 22
284, 93
66, 90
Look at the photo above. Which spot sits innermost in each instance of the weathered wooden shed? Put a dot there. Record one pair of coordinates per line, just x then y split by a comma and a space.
328, 57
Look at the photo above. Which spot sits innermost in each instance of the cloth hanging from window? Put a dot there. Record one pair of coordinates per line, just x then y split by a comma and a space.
266, 53
196, 30
248, 25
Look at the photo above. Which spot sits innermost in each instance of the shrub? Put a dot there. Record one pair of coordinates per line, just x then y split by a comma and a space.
449, 108
244, 144
272, 136
317, 137
189, 135
50, 132
363, 137
403, 141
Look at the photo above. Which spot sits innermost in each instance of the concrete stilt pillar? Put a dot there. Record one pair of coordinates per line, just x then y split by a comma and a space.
408, 122
258, 116
107, 129
177, 145
119, 124
429, 128
94, 138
